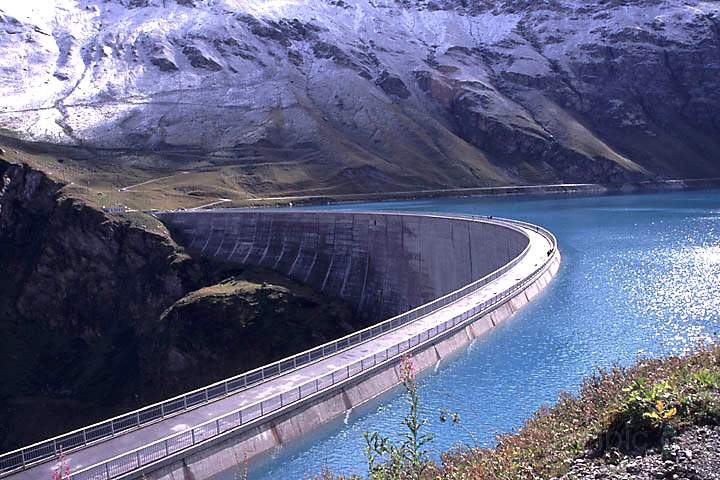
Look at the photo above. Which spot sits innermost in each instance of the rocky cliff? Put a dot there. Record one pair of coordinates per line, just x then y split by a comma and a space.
78, 268
249, 320
89, 324
371, 95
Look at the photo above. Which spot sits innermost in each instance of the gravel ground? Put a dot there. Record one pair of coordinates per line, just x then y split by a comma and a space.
692, 455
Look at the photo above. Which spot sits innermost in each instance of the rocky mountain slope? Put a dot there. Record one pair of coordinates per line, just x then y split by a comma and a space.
371, 95
100, 314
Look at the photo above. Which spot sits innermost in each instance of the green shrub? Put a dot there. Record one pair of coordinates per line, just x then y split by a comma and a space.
409, 458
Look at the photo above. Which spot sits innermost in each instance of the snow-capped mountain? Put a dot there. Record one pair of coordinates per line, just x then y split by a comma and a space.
374, 94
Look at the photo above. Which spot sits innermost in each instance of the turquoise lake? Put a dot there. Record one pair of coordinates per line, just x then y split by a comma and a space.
640, 277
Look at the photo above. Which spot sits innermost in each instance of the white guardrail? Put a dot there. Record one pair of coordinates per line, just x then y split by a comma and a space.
132, 460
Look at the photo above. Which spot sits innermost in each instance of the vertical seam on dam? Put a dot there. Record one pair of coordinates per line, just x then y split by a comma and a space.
367, 267
237, 242
297, 256
386, 268
470, 250
282, 252
222, 238
346, 399
212, 220
269, 240
312, 265
332, 257
252, 243
350, 261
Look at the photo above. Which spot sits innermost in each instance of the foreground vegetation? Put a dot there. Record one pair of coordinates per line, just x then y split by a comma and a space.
618, 411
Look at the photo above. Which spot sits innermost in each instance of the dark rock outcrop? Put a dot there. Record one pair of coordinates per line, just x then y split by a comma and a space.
693, 454
199, 58
78, 291
74, 267
241, 321
392, 85
164, 63
91, 315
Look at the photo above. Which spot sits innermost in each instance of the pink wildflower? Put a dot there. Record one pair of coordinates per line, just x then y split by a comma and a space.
407, 368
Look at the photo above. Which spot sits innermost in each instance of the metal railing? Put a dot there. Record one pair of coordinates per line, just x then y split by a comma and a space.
48, 449
136, 459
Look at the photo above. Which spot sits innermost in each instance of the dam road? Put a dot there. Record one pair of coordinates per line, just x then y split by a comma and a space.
429, 284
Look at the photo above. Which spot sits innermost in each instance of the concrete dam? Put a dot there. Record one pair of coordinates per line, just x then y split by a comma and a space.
381, 264
432, 284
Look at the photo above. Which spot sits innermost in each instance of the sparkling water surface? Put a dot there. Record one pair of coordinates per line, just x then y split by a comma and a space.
640, 276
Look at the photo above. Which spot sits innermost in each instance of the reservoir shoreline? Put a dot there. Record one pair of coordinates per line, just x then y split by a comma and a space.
539, 191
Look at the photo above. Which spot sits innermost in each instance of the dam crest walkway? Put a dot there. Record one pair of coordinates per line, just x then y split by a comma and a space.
224, 409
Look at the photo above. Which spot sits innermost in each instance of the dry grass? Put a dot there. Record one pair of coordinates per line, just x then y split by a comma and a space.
249, 175
618, 409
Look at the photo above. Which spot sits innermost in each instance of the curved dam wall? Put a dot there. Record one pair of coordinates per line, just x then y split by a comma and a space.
381, 264
533, 274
